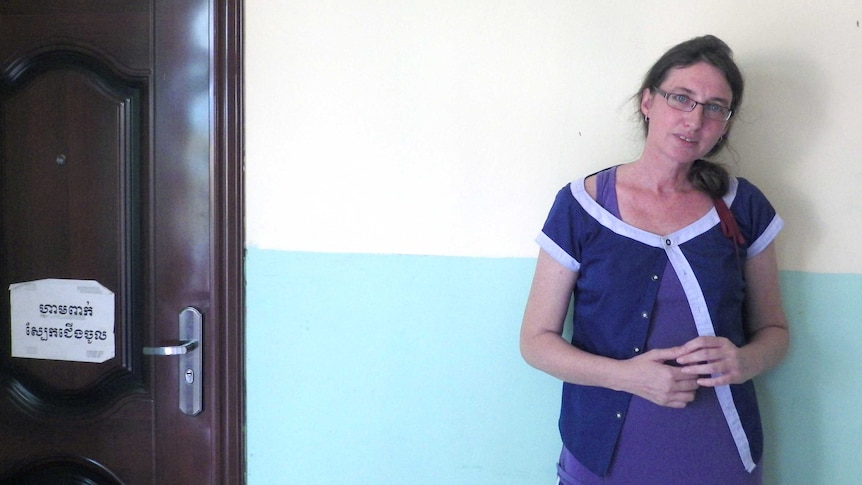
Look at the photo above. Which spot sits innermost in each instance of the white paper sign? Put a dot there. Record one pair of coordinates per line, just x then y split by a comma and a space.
55, 319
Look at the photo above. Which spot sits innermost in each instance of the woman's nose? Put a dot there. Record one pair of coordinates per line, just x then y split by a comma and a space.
695, 117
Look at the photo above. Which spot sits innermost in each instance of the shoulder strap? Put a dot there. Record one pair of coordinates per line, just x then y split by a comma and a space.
728, 223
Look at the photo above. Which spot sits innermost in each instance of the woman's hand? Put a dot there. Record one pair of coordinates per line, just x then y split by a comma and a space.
716, 357
654, 377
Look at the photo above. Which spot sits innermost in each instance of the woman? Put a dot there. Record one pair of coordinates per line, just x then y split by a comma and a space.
676, 299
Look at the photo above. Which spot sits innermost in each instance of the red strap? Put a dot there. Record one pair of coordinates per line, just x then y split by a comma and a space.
728, 222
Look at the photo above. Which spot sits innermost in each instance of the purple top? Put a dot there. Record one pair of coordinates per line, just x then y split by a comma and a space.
660, 444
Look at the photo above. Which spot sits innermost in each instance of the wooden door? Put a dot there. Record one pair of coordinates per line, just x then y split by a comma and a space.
120, 164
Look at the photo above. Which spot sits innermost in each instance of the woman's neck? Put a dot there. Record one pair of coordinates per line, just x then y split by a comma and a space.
658, 177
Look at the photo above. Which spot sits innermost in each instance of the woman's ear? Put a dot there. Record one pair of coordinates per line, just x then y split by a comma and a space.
646, 102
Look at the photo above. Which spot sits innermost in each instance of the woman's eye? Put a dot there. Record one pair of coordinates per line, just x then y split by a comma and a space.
680, 98
715, 108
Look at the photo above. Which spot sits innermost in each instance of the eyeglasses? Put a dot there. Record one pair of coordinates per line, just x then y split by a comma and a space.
682, 102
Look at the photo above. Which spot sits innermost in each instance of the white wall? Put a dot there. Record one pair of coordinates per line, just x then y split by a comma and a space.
444, 127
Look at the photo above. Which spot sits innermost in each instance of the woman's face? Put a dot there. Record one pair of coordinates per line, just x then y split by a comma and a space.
679, 135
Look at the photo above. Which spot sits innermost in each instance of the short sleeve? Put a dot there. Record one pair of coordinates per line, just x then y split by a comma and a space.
557, 236
756, 217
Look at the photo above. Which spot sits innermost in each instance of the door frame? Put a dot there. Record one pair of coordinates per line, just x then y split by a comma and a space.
228, 215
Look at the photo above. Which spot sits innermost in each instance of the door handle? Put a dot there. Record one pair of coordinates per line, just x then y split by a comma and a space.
182, 348
190, 352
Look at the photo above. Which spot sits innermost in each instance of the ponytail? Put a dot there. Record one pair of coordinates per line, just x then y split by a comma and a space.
709, 177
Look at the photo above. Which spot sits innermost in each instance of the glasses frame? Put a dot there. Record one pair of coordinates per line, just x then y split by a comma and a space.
666, 95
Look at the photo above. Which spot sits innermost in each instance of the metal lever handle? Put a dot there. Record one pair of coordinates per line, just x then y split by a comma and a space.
190, 360
183, 348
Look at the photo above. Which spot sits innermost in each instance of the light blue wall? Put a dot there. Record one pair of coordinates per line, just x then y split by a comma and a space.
390, 369
811, 403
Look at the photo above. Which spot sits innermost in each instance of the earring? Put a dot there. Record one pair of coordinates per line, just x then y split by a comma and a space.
646, 119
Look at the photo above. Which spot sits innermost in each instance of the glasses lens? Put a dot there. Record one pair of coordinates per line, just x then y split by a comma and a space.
680, 102
716, 112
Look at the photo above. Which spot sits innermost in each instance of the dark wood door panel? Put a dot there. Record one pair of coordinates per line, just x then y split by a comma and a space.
119, 446
71, 141
75, 170
121, 162
120, 29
